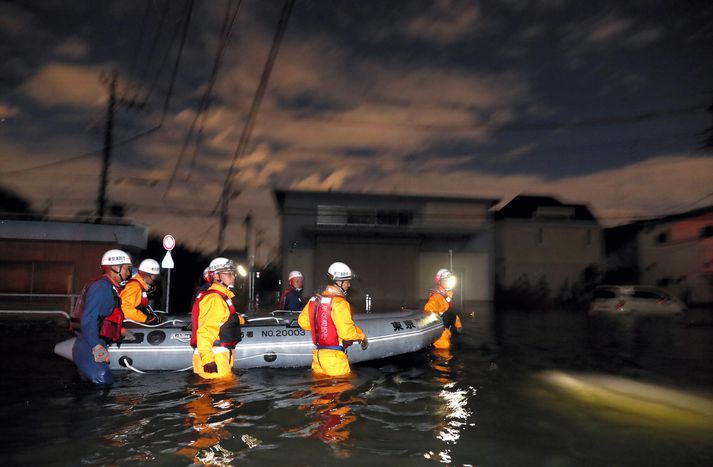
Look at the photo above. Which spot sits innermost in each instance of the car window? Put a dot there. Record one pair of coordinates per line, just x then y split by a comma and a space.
604, 293
647, 294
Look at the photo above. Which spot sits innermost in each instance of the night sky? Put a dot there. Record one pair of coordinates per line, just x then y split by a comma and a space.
596, 102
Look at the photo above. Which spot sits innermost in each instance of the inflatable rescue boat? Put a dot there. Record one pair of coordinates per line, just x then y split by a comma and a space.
267, 341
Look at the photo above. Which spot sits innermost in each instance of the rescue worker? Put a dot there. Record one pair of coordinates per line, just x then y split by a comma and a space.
291, 298
135, 296
216, 324
97, 318
329, 317
440, 300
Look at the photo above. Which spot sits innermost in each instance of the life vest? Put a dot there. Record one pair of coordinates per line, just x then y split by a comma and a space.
324, 331
449, 316
446, 297
229, 334
283, 298
110, 327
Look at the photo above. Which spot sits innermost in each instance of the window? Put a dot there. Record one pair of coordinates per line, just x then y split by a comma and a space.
361, 217
647, 295
331, 215
604, 293
341, 215
405, 217
662, 238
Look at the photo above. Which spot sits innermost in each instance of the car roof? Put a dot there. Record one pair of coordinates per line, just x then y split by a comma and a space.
628, 289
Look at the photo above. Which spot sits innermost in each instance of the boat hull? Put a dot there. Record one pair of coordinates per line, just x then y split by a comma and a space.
274, 341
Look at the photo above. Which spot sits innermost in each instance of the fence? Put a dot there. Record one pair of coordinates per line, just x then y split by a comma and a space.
21, 304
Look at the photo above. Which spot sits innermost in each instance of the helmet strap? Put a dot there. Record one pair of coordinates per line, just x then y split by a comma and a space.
338, 284
122, 279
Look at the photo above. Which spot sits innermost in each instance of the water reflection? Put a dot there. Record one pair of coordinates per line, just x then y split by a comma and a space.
634, 403
452, 402
131, 430
330, 407
210, 412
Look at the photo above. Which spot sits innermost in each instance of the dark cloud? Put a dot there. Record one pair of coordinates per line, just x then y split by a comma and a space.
364, 95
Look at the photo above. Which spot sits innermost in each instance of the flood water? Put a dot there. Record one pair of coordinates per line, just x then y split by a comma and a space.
532, 389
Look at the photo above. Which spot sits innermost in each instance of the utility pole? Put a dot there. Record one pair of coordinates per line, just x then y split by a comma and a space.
227, 192
106, 152
112, 103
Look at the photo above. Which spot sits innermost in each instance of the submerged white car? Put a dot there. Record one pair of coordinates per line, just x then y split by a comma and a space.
634, 299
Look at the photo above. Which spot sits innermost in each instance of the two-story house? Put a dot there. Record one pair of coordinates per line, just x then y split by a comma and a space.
395, 243
540, 237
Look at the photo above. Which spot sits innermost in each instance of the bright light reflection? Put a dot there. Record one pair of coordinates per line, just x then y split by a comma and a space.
457, 412
242, 271
451, 282
643, 401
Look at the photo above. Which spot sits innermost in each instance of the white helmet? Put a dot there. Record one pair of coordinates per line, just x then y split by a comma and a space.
445, 274
339, 272
221, 264
442, 274
150, 266
115, 258
293, 275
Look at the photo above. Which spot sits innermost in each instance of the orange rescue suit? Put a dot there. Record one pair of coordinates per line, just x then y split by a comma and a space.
133, 297
213, 313
329, 362
441, 301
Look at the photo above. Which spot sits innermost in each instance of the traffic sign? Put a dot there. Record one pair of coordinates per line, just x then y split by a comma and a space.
167, 262
168, 243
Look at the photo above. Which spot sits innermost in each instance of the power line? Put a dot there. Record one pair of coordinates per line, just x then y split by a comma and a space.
70, 159
224, 35
162, 64
137, 47
252, 116
152, 49
83, 155
186, 22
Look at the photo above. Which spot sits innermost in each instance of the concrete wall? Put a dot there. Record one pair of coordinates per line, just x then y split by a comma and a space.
557, 251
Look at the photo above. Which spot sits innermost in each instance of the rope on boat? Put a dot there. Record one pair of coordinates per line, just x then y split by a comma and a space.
173, 322
126, 362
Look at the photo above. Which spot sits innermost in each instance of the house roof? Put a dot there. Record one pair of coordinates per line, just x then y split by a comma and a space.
677, 217
280, 196
125, 235
539, 207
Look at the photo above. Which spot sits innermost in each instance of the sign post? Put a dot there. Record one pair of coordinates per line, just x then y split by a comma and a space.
168, 243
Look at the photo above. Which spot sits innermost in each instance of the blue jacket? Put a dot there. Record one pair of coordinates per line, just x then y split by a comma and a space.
98, 304
291, 300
